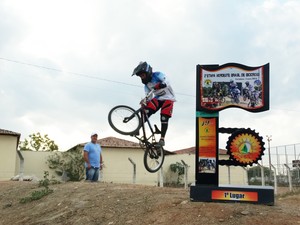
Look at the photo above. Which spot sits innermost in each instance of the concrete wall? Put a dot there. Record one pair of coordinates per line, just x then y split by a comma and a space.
8, 156
35, 164
117, 167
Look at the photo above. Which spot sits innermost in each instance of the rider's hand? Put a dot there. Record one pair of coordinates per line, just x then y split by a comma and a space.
159, 86
142, 102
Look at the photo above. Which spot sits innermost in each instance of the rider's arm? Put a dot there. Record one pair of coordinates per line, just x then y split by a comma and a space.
160, 85
161, 81
147, 89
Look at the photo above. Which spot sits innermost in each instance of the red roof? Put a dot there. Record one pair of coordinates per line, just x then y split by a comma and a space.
113, 142
117, 143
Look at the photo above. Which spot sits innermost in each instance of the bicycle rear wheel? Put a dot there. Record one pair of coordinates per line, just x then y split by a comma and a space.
154, 157
117, 120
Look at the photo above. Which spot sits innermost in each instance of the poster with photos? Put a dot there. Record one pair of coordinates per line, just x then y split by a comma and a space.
233, 85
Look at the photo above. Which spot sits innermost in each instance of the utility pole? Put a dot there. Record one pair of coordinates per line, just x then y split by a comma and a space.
269, 139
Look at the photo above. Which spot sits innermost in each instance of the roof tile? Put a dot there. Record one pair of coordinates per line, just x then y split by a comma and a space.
7, 132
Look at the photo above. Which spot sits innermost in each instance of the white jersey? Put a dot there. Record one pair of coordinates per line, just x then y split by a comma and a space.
162, 94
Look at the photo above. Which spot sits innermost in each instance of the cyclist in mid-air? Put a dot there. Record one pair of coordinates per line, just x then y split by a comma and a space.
163, 98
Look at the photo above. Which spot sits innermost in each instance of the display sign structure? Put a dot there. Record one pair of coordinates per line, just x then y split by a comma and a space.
220, 87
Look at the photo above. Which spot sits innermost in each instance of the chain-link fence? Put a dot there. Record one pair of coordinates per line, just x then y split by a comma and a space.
284, 161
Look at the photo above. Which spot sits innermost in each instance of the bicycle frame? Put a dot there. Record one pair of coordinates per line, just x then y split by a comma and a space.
154, 153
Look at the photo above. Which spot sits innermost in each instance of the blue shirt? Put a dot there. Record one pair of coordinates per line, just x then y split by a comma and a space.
94, 151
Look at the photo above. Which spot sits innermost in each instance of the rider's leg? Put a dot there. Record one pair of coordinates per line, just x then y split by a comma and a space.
164, 127
152, 107
166, 113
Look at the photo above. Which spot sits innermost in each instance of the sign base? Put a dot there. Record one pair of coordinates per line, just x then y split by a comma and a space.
248, 194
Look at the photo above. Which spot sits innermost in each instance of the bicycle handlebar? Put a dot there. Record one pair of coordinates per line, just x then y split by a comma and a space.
147, 98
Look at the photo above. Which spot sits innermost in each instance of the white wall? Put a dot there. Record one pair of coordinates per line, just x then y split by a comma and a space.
119, 169
8, 156
35, 164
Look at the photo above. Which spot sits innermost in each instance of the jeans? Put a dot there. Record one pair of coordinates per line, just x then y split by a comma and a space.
92, 174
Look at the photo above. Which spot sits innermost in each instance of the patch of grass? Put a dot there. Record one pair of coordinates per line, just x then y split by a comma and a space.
36, 195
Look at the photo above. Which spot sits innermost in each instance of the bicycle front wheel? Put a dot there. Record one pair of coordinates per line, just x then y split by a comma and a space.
124, 120
154, 157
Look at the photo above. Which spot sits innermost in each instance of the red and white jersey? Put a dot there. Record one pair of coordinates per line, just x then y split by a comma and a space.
162, 94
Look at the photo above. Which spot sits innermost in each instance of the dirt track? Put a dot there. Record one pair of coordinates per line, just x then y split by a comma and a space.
110, 204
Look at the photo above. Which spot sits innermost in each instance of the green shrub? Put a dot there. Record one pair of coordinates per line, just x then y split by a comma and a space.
36, 195
71, 163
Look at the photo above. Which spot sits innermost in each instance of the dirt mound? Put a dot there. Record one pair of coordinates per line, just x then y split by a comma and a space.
101, 203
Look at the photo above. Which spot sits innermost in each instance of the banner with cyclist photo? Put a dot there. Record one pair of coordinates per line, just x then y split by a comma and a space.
232, 85
207, 139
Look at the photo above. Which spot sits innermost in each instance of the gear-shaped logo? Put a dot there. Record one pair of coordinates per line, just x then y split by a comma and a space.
245, 147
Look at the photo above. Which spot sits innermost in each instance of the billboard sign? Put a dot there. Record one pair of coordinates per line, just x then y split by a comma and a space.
232, 85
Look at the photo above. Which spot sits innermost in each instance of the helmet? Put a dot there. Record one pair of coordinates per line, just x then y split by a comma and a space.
143, 67
247, 82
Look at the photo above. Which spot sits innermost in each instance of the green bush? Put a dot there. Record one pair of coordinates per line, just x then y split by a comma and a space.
178, 168
71, 163
36, 195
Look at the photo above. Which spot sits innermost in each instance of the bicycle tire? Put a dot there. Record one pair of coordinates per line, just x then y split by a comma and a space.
154, 157
116, 118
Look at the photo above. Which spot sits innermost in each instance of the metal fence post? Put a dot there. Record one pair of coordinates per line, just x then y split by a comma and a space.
289, 176
275, 180
161, 177
247, 178
134, 170
186, 166
262, 172
229, 178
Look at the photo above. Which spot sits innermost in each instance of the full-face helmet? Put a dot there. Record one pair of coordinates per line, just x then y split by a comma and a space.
143, 67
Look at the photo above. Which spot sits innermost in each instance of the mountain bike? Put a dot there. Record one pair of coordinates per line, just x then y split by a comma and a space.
127, 121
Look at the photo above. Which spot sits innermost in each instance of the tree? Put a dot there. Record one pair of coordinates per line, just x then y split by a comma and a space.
37, 142
70, 163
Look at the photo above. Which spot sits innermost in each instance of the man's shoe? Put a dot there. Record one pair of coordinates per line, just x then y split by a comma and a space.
161, 142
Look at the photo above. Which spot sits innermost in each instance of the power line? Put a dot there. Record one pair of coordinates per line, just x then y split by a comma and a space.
80, 74
73, 73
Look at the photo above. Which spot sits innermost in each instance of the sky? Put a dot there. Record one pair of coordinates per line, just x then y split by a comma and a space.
65, 63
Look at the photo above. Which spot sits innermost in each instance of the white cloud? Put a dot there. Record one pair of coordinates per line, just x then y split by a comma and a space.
92, 48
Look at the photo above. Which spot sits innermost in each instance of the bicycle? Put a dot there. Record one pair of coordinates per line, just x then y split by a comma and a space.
127, 121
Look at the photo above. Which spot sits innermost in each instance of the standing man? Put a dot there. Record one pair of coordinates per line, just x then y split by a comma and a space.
93, 158
163, 99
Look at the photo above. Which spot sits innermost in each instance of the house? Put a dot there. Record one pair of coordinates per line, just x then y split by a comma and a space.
9, 158
20, 164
